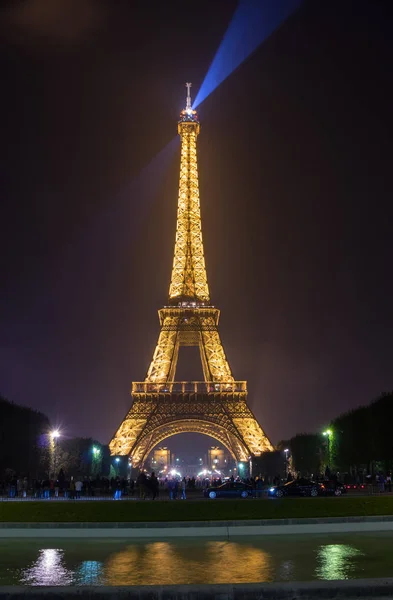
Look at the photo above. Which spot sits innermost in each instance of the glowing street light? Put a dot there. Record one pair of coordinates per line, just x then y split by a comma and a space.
286, 461
54, 435
96, 451
328, 433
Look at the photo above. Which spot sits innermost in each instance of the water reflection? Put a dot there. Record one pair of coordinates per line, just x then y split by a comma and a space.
195, 561
242, 563
160, 563
336, 561
286, 570
48, 569
90, 572
120, 566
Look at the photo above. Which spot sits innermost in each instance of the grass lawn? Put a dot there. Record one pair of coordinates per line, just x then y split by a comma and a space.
192, 510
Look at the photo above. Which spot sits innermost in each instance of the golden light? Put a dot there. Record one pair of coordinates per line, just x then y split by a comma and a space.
189, 319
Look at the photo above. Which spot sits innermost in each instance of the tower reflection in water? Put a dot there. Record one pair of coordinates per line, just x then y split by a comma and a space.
161, 563
193, 562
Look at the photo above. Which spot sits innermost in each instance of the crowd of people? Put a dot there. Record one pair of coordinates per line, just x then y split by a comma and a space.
150, 486
145, 486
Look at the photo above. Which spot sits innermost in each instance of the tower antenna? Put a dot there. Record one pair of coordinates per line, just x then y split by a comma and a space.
188, 104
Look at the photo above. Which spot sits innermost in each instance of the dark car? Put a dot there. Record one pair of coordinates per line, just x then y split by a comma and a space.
334, 488
235, 489
297, 487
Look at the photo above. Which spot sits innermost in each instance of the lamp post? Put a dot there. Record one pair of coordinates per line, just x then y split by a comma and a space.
117, 460
327, 435
54, 435
96, 458
286, 461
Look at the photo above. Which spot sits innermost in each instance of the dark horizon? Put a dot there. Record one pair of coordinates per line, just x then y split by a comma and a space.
295, 189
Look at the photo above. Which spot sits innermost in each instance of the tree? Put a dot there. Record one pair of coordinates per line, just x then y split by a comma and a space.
305, 451
363, 435
77, 456
23, 440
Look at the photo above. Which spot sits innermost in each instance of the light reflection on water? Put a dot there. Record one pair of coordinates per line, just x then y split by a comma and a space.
48, 569
109, 562
214, 562
336, 561
90, 573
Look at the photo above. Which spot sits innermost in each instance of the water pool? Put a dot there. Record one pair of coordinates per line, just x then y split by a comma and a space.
195, 561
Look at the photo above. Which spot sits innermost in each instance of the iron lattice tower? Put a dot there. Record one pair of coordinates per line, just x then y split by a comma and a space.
162, 406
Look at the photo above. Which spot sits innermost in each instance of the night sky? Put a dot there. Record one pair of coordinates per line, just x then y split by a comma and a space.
295, 164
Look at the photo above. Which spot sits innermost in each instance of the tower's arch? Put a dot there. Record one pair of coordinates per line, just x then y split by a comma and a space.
231, 442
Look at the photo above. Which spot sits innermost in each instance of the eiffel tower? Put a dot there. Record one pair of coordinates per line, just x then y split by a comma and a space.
162, 406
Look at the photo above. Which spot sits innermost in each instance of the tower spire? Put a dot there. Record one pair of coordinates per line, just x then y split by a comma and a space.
189, 279
188, 102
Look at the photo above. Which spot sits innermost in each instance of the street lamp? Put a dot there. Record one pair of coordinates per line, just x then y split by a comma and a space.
286, 461
328, 434
54, 435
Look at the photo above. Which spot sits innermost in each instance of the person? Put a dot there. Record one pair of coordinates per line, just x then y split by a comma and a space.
61, 479
72, 489
37, 488
389, 481
259, 487
183, 489
118, 489
141, 483
78, 487
171, 488
46, 487
14, 487
154, 485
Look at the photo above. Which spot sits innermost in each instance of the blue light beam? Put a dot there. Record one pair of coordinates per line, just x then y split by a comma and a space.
252, 23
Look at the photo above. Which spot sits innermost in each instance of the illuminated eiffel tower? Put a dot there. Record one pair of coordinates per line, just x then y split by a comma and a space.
161, 406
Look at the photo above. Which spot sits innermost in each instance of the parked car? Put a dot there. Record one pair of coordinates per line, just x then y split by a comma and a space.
230, 489
298, 487
334, 488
